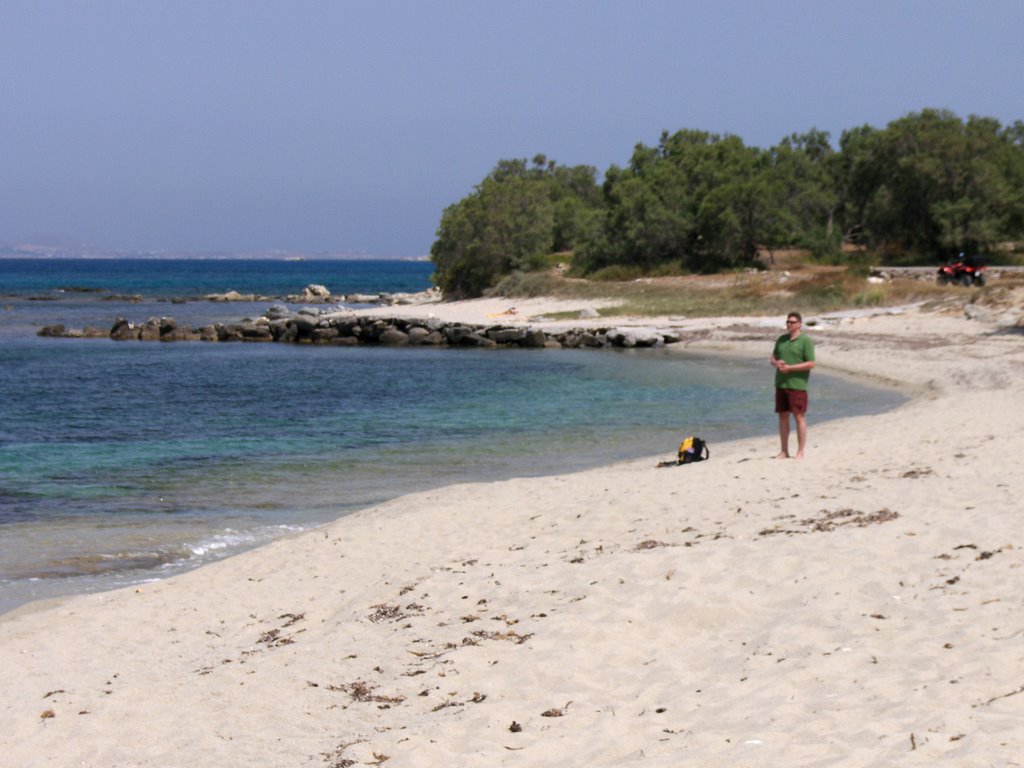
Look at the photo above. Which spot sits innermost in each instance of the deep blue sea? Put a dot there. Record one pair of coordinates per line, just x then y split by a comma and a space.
126, 461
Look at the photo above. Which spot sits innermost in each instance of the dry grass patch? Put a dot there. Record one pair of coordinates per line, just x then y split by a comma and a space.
811, 288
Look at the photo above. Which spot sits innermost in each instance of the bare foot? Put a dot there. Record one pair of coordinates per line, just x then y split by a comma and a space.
800, 455
782, 455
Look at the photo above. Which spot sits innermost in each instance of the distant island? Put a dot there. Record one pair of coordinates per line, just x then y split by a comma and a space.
31, 250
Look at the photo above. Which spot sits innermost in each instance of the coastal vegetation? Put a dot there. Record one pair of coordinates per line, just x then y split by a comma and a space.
924, 188
796, 280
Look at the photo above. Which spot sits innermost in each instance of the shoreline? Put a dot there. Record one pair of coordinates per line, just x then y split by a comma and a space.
839, 397
856, 608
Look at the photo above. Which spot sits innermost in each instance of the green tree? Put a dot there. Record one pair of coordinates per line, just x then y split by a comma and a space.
858, 176
931, 184
1014, 137
927, 185
699, 200
516, 216
804, 172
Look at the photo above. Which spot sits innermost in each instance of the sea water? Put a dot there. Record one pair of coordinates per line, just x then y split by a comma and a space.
126, 461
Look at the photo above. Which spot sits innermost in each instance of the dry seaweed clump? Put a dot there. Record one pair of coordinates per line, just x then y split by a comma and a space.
364, 692
511, 636
828, 521
650, 544
385, 613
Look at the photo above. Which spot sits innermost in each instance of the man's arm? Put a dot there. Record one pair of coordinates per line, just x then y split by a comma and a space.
793, 368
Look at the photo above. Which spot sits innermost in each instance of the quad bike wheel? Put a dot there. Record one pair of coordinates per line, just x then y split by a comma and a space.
964, 279
979, 279
943, 278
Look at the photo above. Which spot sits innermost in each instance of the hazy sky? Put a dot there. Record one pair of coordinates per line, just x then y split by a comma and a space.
346, 125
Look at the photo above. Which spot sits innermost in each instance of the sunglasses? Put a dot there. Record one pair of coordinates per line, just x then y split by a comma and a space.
792, 322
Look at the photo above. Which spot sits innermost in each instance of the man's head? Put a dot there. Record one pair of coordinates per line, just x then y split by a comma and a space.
793, 322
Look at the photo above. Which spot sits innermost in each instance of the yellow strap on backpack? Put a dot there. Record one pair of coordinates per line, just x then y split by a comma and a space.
693, 449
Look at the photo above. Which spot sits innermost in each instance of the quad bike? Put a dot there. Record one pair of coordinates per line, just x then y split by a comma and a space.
965, 270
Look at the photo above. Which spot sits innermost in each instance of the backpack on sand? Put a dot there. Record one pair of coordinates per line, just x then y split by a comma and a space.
690, 450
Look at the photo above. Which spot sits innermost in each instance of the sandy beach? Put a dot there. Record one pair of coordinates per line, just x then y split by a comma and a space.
859, 608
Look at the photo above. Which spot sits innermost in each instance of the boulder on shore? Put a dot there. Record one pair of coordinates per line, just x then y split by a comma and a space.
122, 330
312, 294
59, 331
231, 296
635, 337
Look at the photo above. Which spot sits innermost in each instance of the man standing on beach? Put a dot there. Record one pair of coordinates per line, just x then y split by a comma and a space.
792, 359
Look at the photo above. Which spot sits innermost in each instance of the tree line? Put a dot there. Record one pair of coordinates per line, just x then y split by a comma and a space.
925, 187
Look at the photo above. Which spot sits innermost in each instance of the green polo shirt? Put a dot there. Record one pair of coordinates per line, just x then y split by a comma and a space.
793, 352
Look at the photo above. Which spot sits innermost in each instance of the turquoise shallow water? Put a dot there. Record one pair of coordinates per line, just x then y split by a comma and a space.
121, 462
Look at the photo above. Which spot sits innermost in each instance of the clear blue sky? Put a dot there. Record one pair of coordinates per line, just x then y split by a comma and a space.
346, 125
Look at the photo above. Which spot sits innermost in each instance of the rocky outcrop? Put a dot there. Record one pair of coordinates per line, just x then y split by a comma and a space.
154, 329
1001, 313
311, 326
429, 296
59, 331
231, 296
880, 274
636, 337
315, 294
320, 294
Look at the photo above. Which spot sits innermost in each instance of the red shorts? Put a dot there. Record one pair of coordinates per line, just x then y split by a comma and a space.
790, 400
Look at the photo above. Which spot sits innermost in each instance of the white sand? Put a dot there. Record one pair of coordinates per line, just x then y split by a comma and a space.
860, 608
484, 311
